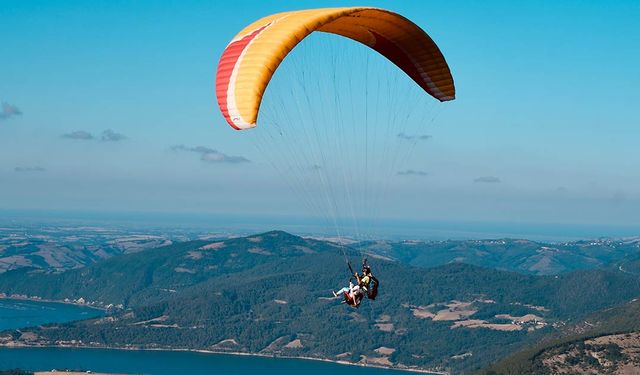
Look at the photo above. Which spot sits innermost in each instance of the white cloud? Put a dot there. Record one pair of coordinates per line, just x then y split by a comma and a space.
412, 172
210, 155
417, 137
111, 136
30, 169
79, 134
487, 180
9, 111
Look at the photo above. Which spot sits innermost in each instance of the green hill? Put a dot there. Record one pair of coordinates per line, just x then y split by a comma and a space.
605, 342
530, 257
142, 277
269, 294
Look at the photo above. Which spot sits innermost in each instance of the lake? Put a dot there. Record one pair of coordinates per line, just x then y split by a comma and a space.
22, 313
169, 363
17, 314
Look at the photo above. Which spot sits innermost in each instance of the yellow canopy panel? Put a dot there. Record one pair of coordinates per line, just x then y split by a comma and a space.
249, 61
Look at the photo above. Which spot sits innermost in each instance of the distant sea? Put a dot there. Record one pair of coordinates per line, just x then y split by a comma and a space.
16, 314
394, 229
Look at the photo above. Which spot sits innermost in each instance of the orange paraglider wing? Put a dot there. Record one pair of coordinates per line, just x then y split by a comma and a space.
252, 57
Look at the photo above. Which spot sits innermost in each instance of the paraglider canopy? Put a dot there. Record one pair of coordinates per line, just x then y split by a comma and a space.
252, 57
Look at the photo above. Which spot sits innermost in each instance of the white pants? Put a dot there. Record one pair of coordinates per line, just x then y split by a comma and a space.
351, 289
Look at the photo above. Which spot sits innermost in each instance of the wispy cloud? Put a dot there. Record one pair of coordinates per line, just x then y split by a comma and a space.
417, 137
487, 180
106, 136
9, 111
412, 172
78, 134
210, 155
29, 169
111, 136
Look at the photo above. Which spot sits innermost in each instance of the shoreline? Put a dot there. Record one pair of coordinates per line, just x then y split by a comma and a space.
204, 351
214, 352
37, 299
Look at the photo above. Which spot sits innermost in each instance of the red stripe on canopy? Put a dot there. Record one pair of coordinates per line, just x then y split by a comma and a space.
228, 61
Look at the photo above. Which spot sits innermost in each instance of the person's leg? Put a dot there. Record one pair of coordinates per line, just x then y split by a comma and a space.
341, 291
348, 299
357, 296
357, 300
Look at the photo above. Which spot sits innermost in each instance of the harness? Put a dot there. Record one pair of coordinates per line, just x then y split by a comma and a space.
368, 284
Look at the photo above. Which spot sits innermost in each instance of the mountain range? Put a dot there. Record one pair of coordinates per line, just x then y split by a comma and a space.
518, 255
57, 247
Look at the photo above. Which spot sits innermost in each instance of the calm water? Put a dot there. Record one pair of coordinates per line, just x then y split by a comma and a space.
18, 314
169, 363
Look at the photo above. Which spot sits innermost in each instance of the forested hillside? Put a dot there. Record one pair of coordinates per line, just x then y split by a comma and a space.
530, 257
271, 294
605, 342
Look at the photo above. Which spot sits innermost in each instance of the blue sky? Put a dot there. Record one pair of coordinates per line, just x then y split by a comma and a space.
99, 94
